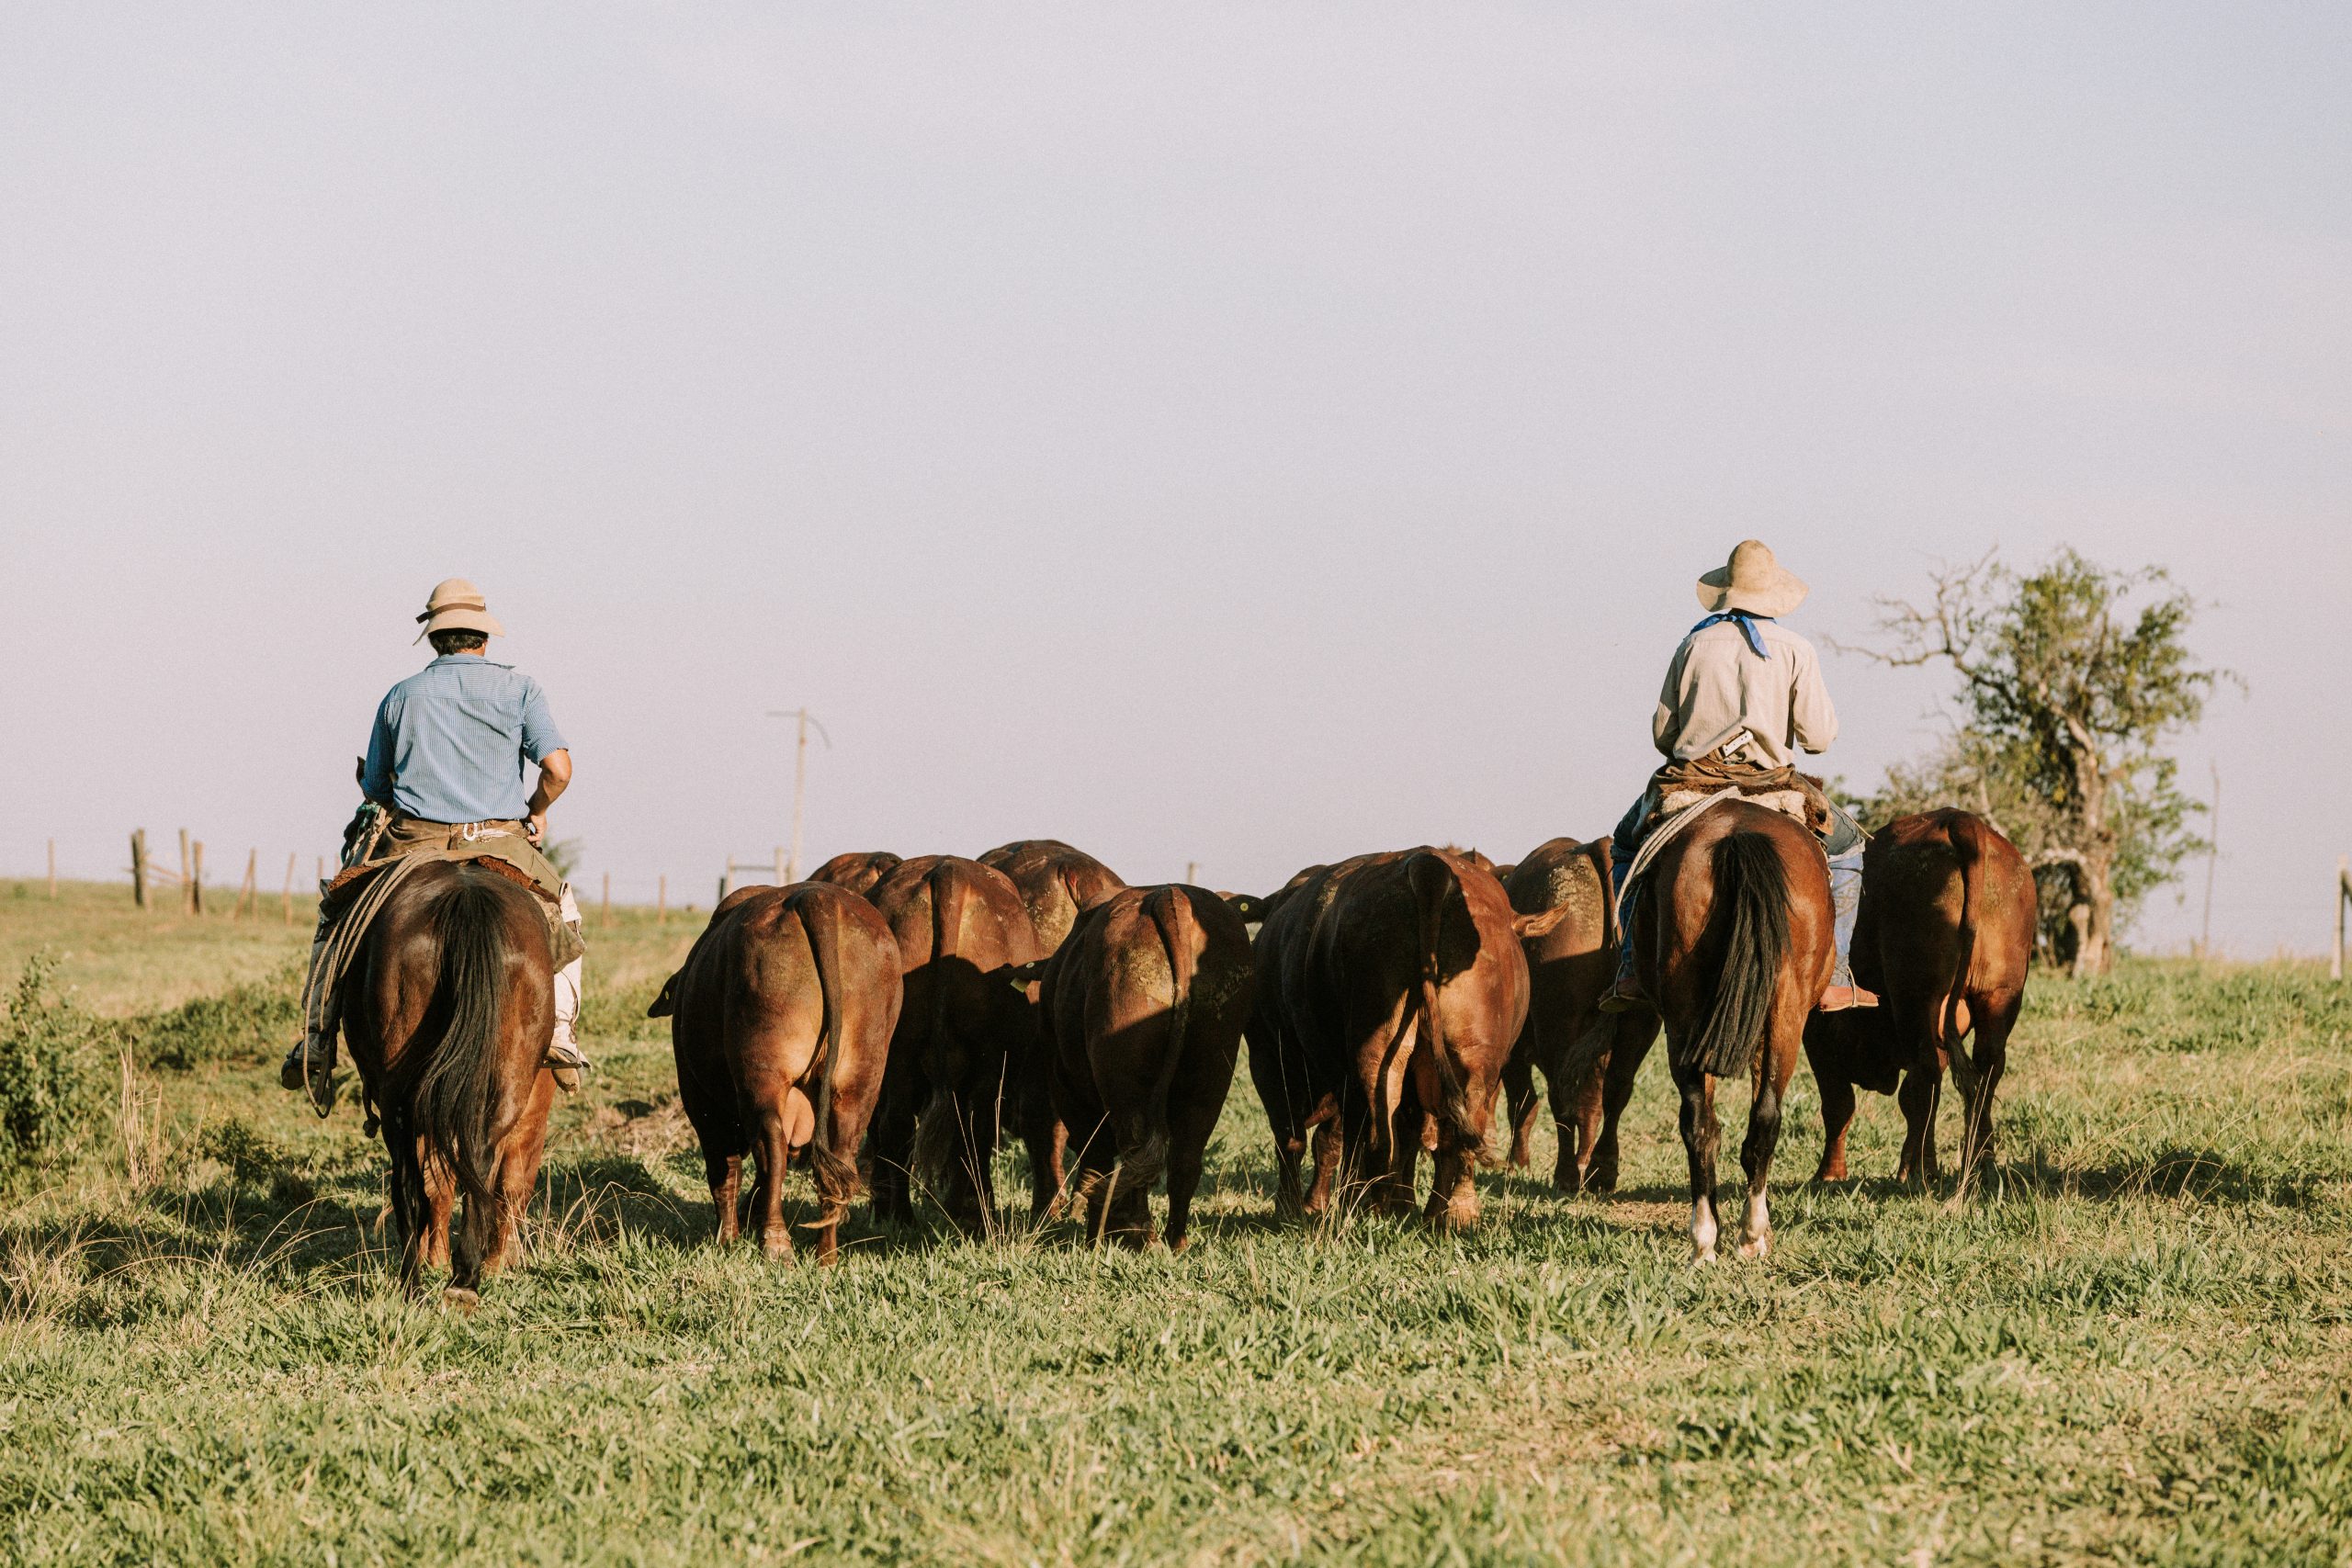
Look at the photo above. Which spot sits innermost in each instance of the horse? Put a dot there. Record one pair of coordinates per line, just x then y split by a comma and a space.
1732, 936
449, 1005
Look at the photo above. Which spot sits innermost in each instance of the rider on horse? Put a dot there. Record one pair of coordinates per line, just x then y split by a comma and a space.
1742, 696
444, 775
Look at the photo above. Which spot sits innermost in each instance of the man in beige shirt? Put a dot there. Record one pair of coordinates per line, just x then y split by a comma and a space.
1742, 697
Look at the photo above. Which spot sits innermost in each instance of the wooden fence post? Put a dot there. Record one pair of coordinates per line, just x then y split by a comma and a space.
185, 883
52, 870
604, 914
248, 896
662, 901
289, 887
139, 866
196, 880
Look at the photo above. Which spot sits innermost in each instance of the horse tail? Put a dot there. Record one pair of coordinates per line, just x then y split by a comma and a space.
836, 1172
1433, 880
1751, 876
1170, 911
455, 1102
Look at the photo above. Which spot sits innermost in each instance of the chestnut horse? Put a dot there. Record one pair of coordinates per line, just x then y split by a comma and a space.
1732, 934
448, 1006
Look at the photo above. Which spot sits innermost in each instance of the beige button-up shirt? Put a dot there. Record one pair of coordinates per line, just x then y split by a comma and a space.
1719, 694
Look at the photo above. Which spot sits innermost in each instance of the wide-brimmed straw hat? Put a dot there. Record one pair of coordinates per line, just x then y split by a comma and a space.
1751, 580
458, 605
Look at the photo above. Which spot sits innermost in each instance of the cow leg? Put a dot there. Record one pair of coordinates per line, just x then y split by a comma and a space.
1633, 1035
1990, 1052
725, 1174
1575, 1123
1700, 1135
893, 1141
1922, 1089
1837, 1115
1407, 1128
1185, 1158
1519, 1092
1329, 1144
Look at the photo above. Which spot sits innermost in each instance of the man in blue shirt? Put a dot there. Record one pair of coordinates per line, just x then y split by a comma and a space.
445, 767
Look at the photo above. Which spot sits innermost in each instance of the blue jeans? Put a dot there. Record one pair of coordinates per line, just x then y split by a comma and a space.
1843, 844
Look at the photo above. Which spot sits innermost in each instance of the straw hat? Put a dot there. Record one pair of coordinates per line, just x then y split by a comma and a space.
1751, 580
458, 605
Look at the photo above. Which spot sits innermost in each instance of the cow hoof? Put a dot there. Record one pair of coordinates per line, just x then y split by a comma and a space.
777, 1248
460, 1298
1758, 1247
1703, 1253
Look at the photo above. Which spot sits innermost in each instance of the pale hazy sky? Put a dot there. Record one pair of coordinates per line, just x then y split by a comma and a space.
1248, 435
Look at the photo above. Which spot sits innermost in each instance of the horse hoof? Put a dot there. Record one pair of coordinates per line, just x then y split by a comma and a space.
1702, 1254
1758, 1247
460, 1298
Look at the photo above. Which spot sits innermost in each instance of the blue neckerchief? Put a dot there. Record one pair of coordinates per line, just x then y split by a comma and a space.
1745, 621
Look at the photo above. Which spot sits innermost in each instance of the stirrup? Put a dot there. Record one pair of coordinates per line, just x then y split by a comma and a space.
1624, 995
1839, 999
566, 1064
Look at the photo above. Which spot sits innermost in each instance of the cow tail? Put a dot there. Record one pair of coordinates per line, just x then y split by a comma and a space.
939, 1133
1966, 832
836, 1171
1750, 875
1431, 881
1171, 912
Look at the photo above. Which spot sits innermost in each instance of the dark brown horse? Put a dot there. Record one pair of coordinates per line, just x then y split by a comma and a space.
1589, 1059
1944, 934
1143, 1010
1732, 934
447, 1008
780, 1022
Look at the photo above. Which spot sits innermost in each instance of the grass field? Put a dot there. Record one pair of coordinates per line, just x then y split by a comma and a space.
2136, 1346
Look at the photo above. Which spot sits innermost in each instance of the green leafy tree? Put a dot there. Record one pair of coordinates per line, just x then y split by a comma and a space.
2073, 679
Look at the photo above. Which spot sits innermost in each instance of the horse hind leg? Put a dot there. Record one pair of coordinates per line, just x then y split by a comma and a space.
1755, 1159
1700, 1135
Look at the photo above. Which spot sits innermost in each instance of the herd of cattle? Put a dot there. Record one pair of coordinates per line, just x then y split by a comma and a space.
894, 1020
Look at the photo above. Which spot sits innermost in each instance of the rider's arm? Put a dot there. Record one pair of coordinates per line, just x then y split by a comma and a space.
1812, 722
376, 771
555, 773
1666, 724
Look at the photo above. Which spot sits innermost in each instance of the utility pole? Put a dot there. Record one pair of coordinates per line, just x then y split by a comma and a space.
800, 778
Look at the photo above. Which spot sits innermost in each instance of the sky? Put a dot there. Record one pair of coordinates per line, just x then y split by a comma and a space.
1233, 434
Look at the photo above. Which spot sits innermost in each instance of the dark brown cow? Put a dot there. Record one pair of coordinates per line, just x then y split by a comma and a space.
1301, 1093
965, 1040
1944, 935
858, 870
1055, 882
1399, 987
1143, 1012
780, 1019
1589, 1059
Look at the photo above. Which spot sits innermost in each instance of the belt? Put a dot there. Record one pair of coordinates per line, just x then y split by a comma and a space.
469, 831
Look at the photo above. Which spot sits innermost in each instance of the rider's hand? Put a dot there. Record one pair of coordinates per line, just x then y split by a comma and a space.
534, 828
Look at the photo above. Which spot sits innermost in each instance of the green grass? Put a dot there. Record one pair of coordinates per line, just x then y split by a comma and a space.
2136, 1346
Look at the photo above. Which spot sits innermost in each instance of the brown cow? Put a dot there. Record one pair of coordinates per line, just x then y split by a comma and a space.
858, 870
1944, 935
780, 1021
1143, 1010
1055, 882
1589, 1059
965, 1040
1404, 991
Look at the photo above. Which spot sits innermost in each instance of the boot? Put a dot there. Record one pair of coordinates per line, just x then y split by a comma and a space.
565, 1059
1625, 992
1846, 899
